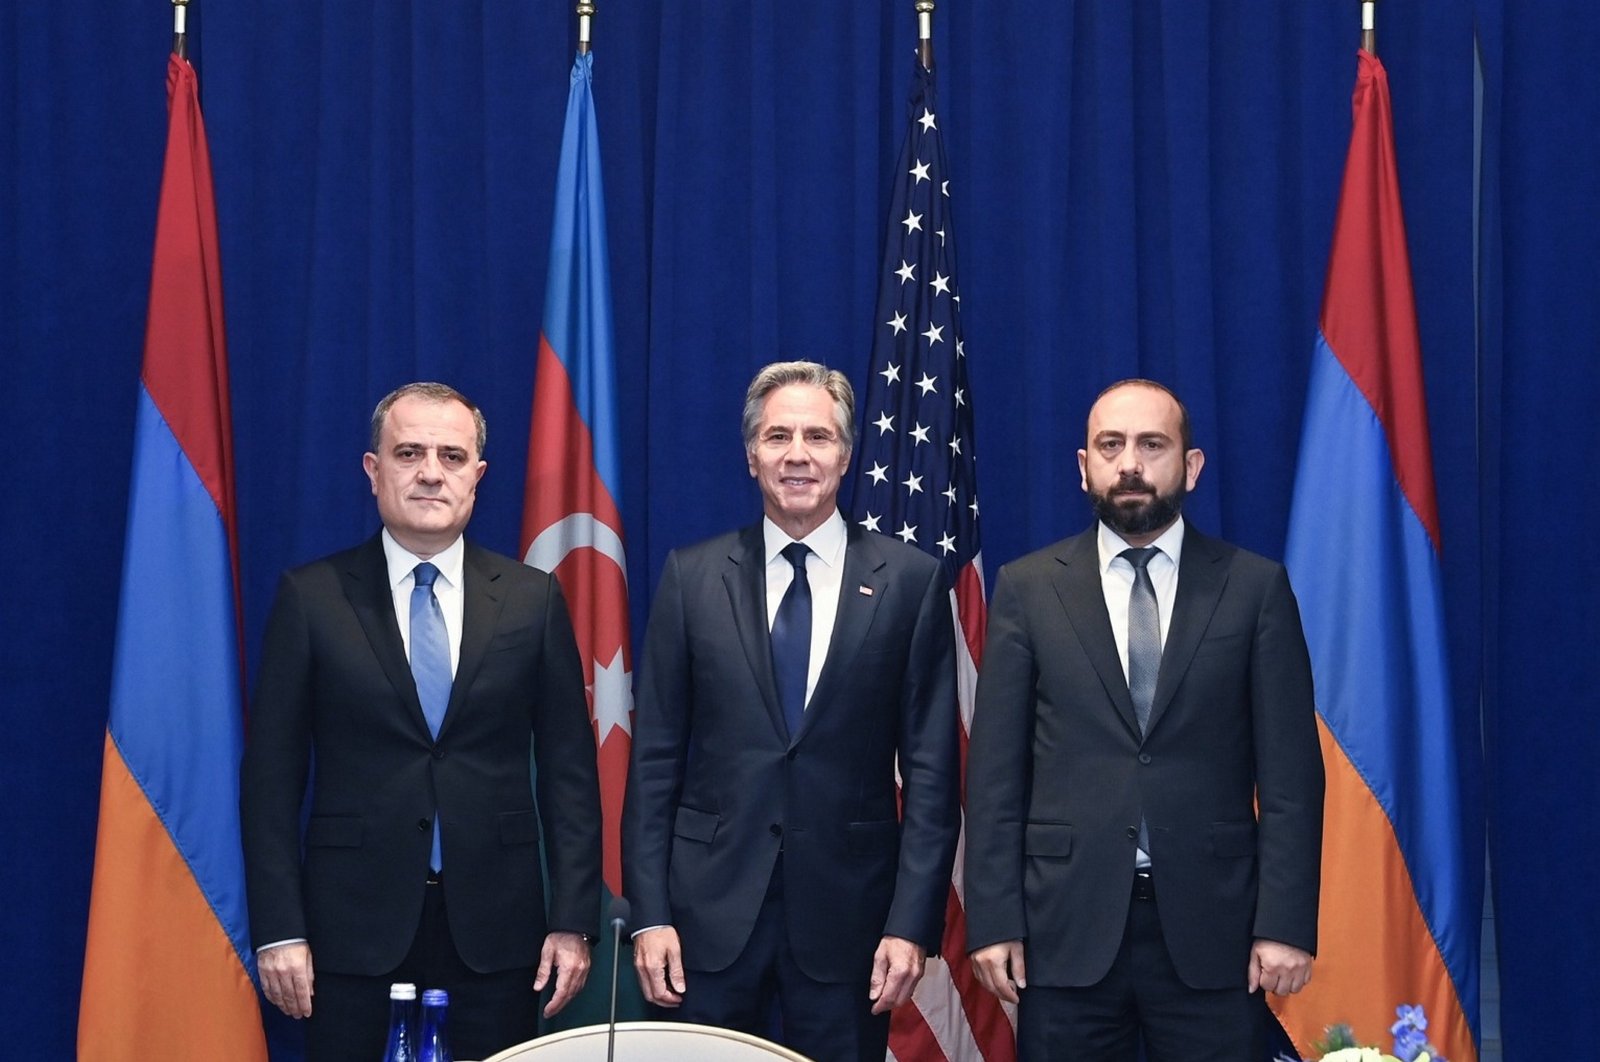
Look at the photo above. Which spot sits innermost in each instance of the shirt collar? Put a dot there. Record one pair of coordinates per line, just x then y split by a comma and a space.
1111, 544
402, 562
826, 541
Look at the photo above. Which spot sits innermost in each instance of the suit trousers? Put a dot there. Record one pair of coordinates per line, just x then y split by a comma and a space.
1141, 996
823, 1021
488, 1011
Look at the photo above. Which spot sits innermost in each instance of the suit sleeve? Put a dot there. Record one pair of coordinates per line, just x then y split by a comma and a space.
660, 746
1289, 773
272, 781
568, 780
999, 759
929, 761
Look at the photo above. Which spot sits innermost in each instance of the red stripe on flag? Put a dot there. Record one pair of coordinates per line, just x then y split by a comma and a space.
563, 483
1369, 269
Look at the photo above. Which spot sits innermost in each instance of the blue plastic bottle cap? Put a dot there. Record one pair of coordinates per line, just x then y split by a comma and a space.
435, 997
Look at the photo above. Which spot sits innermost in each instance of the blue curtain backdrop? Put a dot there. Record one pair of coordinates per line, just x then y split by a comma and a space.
1140, 189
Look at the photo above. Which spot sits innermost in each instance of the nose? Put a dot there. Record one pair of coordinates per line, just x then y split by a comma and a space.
429, 470
797, 453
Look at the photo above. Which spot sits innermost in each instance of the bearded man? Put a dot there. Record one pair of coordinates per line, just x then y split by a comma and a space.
1144, 816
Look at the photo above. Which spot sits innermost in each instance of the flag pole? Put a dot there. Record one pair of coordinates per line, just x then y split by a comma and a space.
925, 33
1369, 34
585, 17
180, 33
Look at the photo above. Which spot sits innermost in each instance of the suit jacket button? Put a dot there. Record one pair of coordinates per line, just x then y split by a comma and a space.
1133, 833
1144, 757
777, 830
424, 824
791, 754
438, 752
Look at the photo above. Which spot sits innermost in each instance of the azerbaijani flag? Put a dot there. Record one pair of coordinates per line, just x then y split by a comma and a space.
571, 526
1401, 871
168, 968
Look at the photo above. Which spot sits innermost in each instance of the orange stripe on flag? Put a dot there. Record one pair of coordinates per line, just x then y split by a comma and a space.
160, 977
1374, 949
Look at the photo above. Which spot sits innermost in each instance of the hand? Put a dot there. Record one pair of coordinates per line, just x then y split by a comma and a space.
566, 955
1000, 969
1280, 968
658, 960
896, 968
286, 977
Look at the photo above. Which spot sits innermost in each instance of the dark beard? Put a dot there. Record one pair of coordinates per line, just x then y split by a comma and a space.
1139, 519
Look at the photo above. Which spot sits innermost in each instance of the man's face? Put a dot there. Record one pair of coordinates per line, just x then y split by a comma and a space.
798, 458
425, 473
1135, 468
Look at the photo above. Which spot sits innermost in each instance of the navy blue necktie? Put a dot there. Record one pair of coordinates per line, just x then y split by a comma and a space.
1144, 647
430, 662
791, 639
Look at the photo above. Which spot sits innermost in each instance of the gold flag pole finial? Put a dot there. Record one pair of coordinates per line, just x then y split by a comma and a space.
180, 33
585, 18
925, 33
1369, 34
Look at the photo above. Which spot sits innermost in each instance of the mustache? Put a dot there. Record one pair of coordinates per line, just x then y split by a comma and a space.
1133, 482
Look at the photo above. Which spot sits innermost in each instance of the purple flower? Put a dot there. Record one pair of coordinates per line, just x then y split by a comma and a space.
1410, 1032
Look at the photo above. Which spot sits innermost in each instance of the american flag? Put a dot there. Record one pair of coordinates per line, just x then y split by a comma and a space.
916, 479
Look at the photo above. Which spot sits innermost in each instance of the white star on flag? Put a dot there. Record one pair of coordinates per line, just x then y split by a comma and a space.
611, 697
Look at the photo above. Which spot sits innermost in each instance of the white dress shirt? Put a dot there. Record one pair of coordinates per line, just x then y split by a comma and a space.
824, 573
447, 588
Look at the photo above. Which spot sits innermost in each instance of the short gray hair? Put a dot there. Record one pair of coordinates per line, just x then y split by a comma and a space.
806, 374
431, 392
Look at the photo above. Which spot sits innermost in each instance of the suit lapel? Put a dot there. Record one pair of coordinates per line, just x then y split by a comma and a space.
746, 583
481, 603
863, 567
1201, 577
366, 587
1083, 599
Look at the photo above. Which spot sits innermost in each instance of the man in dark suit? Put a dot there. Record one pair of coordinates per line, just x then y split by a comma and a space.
762, 846
414, 671
1145, 690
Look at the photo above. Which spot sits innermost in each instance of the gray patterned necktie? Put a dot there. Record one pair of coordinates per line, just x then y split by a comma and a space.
1144, 648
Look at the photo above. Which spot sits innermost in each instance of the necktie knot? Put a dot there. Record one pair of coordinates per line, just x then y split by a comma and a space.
1139, 557
425, 573
796, 553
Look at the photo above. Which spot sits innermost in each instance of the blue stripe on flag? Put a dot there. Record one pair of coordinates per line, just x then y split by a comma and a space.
175, 694
577, 298
1368, 582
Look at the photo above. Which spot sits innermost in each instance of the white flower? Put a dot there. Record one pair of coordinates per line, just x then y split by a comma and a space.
1358, 1054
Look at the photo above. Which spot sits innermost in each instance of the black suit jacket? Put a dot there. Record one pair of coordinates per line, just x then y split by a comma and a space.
335, 688
1058, 774
718, 785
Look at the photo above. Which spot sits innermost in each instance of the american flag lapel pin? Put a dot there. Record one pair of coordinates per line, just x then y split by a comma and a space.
864, 590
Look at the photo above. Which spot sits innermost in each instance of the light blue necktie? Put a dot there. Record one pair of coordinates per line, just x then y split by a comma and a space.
1144, 648
430, 663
